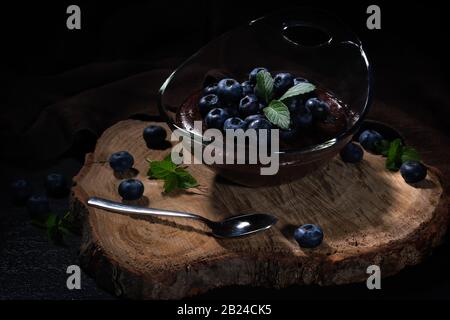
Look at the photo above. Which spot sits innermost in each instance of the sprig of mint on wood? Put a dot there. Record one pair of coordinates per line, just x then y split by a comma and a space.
396, 153
276, 111
174, 176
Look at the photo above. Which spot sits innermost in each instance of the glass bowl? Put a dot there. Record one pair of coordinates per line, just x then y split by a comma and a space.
306, 42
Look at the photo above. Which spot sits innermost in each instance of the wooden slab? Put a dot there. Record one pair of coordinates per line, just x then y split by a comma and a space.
369, 216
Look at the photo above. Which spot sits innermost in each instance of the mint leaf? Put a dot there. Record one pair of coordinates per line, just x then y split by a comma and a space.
382, 147
409, 153
278, 113
54, 228
264, 85
186, 180
393, 161
170, 182
174, 176
301, 88
160, 169
52, 220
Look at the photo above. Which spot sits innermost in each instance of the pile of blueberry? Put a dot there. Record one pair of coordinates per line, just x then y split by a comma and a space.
38, 205
233, 105
129, 189
412, 171
122, 162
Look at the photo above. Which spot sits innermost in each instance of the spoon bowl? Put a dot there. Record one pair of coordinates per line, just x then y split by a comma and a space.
242, 225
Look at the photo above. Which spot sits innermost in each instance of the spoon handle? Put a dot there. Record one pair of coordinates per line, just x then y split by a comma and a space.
124, 208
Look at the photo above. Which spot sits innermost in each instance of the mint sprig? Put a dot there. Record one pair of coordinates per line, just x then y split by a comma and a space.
301, 88
264, 85
382, 147
397, 154
409, 153
55, 226
278, 113
393, 161
174, 176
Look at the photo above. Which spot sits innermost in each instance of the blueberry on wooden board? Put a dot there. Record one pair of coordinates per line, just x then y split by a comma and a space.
352, 153
369, 139
131, 189
121, 161
154, 135
413, 171
308, 235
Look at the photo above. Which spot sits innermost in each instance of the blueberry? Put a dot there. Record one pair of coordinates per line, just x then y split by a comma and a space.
38, 207
232, 111
294, 104
207, 103
413, 171
249, 105
121, 161
253, 73
282, 82
154, 135
247, 88
352, 153
229, 90
216, 117
210, 89
319, 109
299, 80
234, 123
56, 185
20, 191
259, 124
131, 189
308, 235
369, 139
253, 117
289, 134
304, 118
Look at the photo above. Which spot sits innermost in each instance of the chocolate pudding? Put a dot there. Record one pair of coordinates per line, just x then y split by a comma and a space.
337, 121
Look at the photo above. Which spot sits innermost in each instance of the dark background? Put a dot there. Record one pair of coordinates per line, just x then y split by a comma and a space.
410, 59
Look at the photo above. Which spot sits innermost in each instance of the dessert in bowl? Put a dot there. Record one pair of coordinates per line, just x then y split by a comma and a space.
295, 47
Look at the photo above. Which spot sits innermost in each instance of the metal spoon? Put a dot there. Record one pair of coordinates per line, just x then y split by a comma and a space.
229, 228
